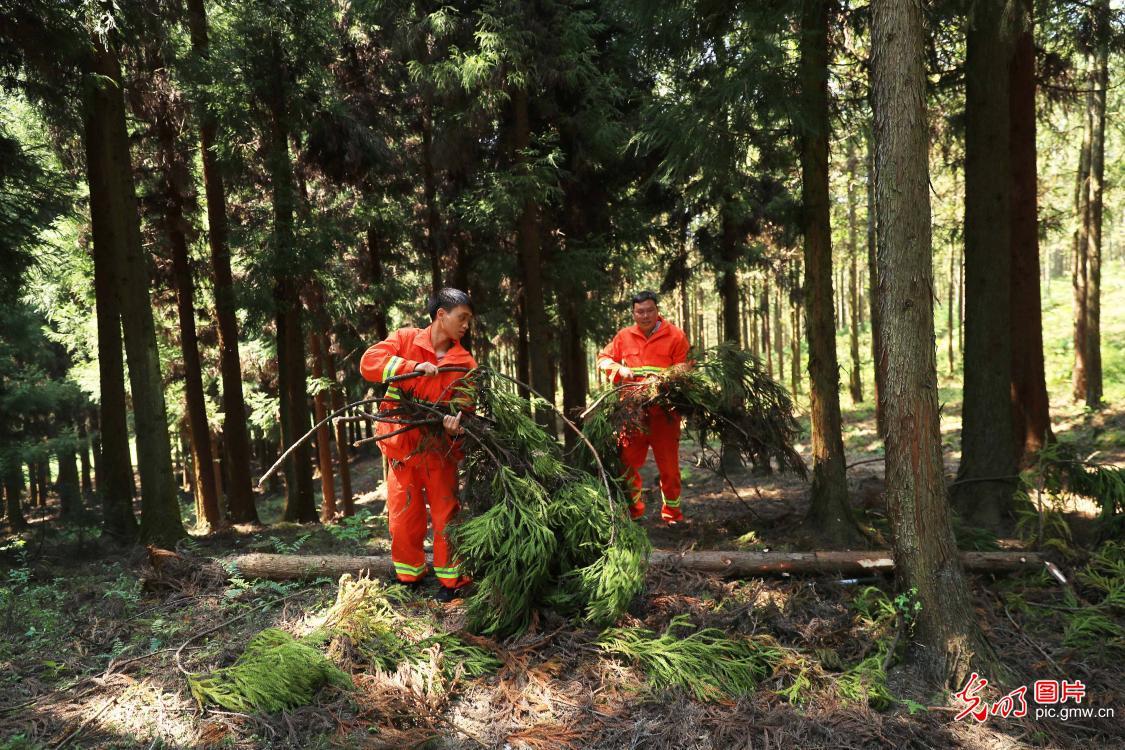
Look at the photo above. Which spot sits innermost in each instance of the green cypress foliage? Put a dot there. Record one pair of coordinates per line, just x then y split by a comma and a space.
274, 673
540, 532
705, 662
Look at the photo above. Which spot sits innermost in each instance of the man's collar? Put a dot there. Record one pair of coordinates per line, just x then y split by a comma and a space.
657, 329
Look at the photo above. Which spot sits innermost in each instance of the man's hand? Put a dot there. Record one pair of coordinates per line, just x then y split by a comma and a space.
426, 368
624, 372
452, 424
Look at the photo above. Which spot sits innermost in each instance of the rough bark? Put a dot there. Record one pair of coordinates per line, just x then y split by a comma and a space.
1092, 342
1030, 404
236, 439
1079, 271
115, 477
731, 564
830, 514
84, 456
177, 180
987, 445
947, 639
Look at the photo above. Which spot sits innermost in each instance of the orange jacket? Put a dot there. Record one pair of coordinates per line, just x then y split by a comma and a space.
667, 346
400, 353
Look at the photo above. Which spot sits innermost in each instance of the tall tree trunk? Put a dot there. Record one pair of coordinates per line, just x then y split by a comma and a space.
531, 268
160, 510
435, 246
947, 638
300, 505
778, 328
1079, 273
879, 364
984, 494
764, 307
1093, 342
323, 439
115, 478
176, 181
855, 381
1030, 405
236, 440
830, 515
728, 275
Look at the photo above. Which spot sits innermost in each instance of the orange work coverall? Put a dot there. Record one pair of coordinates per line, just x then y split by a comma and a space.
665, 347
423, 466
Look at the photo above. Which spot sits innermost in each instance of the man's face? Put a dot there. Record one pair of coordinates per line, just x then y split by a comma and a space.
455, 322
645, 315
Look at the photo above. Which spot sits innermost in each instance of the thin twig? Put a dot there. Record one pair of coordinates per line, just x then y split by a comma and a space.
231, 621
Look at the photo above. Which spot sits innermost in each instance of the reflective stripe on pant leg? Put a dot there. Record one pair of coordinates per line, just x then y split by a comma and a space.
406, 515
441, 495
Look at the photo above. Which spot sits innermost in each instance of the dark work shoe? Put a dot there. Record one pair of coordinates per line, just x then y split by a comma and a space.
411, 586
446, 594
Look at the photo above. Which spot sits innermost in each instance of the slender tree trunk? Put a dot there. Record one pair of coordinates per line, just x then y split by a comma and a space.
236, 440
13, 489
347, 499
830, 515
878, 362
435, 246
531, 268
986, 434
1093, 343
728, 276
764, 306
84, 456
176, 180
1030, 405
323, 439
947, 639
1079, 273
949, 309
778, 329
377, 280
855, 381
43, 479
70, 491
300, 505
795, 325
115, 478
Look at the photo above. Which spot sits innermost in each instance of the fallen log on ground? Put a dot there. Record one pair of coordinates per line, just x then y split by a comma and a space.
720, 562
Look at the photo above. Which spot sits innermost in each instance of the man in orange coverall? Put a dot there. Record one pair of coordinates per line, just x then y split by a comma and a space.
651, 346
423, 466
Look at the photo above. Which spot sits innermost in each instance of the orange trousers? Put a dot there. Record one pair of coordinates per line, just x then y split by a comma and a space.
664, 437
418, 481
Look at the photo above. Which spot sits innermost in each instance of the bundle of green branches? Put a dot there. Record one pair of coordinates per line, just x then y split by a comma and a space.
705, 662
364, 622
726, 396
537, 532
275, 672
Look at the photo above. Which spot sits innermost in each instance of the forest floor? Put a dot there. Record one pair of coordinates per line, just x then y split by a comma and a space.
96, 644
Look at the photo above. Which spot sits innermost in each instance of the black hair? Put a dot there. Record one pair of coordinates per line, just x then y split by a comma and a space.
645, 296
447, 299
